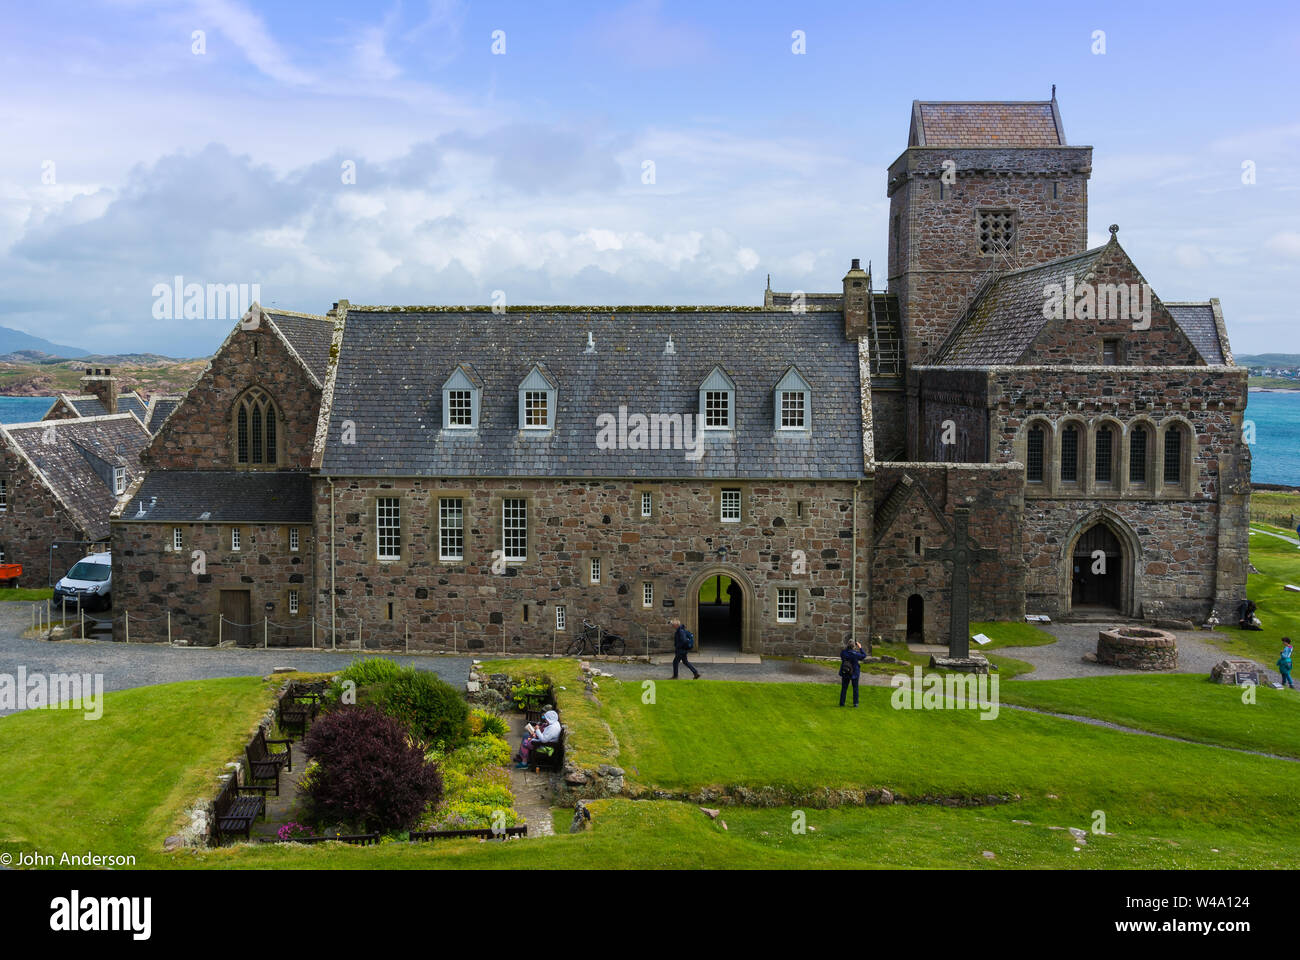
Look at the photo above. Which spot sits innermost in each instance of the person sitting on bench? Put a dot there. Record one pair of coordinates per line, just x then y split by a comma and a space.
547, 732
1246, 618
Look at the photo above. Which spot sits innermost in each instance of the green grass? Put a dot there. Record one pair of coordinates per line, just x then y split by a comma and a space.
1278, 610
1274, 506
26, 593
1010, 634
1180, 705
120, 784
1008, 667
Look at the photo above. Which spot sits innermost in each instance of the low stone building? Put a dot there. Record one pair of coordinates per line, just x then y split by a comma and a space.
100, 396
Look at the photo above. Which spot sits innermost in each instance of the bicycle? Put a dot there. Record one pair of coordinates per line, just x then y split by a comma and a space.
596, 641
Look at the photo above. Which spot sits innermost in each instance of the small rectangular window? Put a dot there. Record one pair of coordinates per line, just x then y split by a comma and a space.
234, 539
390, 610
997, 232
514, 529
595, 569
1109, 352
293, 603
4, 495
293, 539
388, 528
647, 594
792, 410
561, 618
647, 503
460, 408
731, 506
178, 542
119, 480
535, 410
451, 528
717, 409
787, 604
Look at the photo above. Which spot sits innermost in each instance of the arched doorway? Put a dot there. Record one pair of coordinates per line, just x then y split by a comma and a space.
915, 619
1097, 570
720, 602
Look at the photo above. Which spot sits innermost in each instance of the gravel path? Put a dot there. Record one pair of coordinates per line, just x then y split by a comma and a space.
142, 664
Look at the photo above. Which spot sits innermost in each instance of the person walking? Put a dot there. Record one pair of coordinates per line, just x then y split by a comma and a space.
683, 641
851, 658
1284, 663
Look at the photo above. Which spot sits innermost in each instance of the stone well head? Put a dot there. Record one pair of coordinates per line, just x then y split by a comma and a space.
1137, 648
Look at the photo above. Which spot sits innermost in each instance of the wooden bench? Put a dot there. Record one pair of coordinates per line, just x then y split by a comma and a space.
236, 807
536, 705
262, 763
297, 708
481, 834
539, 761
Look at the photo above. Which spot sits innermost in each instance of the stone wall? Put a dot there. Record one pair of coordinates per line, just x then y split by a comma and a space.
32, 519
569, 523
889, 421
900, 568
150, 579
199, 435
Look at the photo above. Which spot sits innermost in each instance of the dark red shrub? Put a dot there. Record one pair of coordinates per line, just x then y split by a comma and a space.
368, 774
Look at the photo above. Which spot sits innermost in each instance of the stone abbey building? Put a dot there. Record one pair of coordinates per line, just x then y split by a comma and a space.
779, 477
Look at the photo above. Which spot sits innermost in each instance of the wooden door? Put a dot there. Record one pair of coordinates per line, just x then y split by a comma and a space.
237, 614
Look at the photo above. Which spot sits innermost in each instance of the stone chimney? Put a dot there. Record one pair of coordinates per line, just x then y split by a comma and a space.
102, 384
857, 301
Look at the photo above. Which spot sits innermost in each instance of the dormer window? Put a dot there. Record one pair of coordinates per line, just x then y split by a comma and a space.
792, 402
718, 400
537, 400
119, 480
460, 399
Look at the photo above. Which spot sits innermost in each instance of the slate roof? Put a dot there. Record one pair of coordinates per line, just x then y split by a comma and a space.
160, 408
88, 405
393, 363
63, 465
986, 124
1198, 322
310, 335
1006, 318
208, 496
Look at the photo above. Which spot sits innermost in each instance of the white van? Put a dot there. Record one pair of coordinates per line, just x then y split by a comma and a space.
89, 583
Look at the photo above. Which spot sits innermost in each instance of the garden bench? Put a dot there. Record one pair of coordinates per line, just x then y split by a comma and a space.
236, 807
295, 714
537, 704
265, 765
540, 761
481, 834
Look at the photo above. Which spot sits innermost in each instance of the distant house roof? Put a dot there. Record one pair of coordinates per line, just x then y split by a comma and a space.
160, 408
1004, 320
86, 405
75, 459
309, 335
1203, 325
394, 362
992, 123
207, 496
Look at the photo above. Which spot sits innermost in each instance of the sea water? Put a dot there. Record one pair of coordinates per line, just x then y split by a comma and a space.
24, 409
1275, 454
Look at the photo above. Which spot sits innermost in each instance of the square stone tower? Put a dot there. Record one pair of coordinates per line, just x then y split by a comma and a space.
982, 187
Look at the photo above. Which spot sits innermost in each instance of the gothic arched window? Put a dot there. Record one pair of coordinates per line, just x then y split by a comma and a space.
255, 430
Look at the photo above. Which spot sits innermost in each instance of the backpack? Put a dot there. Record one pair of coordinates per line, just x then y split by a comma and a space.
688, 638
846, 669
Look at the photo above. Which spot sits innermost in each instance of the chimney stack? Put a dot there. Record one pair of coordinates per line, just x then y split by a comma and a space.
857, 301
103, 385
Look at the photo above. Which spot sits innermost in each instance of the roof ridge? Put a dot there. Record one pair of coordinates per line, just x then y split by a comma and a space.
1051, 263
72, 421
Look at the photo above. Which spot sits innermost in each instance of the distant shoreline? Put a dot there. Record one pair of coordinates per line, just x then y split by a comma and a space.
1295, 389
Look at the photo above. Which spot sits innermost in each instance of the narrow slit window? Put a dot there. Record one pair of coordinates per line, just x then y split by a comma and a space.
1070, 455
1034, 455
1105, 444
1174, 456
1137, 456
647, 594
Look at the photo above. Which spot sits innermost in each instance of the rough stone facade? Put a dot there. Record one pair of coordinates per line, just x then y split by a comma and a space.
31, 520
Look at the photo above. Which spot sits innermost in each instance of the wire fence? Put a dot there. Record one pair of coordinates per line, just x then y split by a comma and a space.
67, 621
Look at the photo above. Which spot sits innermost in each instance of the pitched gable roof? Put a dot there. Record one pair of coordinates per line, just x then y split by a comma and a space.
393, 363
62, 454
206, 496
1004, 319
1203, 325
309, 335
987, 123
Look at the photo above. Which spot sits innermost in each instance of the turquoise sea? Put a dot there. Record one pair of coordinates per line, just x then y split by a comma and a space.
1276, 416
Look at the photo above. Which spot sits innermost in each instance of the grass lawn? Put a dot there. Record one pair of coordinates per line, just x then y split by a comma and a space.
1180, 705
1008, 667
26, 593
119, 784
1278, 563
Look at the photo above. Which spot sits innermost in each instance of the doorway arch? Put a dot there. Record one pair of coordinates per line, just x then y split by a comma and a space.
1098, 565
747, 615
915, 619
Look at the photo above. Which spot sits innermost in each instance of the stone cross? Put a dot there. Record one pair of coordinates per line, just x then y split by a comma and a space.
963, 554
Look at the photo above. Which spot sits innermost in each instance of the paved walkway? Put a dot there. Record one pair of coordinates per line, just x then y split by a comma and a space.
1270, 533
1064, 659
533, 794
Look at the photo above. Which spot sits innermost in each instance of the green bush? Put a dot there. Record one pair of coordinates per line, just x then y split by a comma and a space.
478, 753
489, 794
431, 708
362, 672
462, 815
529, 689
484, 721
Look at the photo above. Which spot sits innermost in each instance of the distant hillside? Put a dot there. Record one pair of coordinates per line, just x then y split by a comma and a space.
22, 375
13, 340
1267, 359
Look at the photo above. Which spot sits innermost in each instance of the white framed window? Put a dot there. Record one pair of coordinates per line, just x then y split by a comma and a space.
647, 503
730, 505
293, 539
717, 409
787, 604
595, 569
514, 529
451, 528
793, 410
119, 480
561, 617
388, 528
460, 409
178, 540
536, 410
647, 594
234, 539
293, 603
4, 495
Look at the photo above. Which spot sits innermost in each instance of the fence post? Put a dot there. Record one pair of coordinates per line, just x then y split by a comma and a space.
220, 618
313, 631
360, 644
455, 628
408, 636
126, 620
169, 628
266, 643
83, 623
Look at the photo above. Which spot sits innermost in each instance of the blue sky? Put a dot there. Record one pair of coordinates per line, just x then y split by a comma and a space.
522, 172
